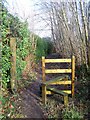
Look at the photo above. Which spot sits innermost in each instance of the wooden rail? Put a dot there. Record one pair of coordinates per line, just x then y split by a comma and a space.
57, 60
58, 71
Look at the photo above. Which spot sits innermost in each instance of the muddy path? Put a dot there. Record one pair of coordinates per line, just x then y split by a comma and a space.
30, 104
30, 100
30, 97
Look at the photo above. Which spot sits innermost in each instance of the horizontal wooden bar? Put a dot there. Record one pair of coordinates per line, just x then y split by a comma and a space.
57, 91
57, 79
67, 91
57, 60
58, 82
51, 92
58, 71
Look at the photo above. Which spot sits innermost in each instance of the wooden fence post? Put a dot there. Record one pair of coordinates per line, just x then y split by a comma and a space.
13, 63
73, 74
43, 79
43, 69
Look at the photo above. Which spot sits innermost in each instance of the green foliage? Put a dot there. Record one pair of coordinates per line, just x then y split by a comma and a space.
23, 48
24, 44
5, 49
71, 112
49, 45
40, 48
20, 66
7, 105
43, 48
18, 30
5, 64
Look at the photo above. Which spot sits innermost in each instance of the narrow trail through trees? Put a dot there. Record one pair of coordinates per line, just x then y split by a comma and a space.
31, 98
30, 105
30, 101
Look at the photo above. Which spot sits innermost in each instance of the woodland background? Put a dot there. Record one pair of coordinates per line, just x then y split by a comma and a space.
70, 28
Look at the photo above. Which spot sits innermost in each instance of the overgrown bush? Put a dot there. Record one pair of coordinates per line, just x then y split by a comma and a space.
5, 50
18, 30
82, 87
7, 104
43, 48
71, 112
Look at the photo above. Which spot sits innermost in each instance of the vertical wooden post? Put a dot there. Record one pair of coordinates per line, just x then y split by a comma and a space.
43, 80
44, 94
66, 79
43, 69
13, 62
66, 100
73, 74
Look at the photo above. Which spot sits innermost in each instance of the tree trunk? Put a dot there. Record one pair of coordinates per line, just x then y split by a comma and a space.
85, 32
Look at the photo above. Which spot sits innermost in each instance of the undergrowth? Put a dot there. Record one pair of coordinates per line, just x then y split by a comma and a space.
43, 48
72, 112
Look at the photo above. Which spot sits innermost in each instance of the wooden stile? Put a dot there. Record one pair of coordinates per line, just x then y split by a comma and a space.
61, 80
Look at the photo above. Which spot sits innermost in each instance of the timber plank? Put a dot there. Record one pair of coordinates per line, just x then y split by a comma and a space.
58, 82
57, 91
65, 91
57, 79
58, 70
57, 60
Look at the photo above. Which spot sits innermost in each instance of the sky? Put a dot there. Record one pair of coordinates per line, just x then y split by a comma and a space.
28, 10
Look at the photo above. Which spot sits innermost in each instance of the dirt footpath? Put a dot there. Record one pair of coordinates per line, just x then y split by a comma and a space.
30, 103
30, 97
